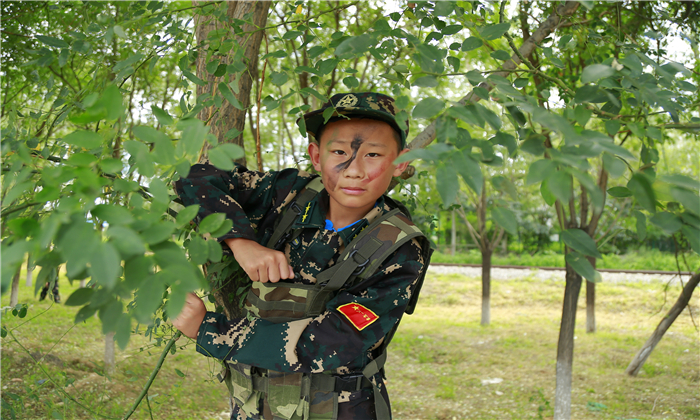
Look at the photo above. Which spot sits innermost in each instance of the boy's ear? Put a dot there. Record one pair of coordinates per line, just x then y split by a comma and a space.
403, 165
315, 155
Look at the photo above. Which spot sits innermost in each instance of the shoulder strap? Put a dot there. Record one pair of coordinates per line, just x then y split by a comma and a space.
284, 227
368, 250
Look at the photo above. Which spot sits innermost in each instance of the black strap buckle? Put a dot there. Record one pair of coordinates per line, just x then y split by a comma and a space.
350, 383
361, 265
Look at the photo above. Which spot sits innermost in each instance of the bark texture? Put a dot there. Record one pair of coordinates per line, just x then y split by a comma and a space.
590, 301
636, 365
565, 346
228, 117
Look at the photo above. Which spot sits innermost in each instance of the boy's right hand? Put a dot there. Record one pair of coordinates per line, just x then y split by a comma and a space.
260, 263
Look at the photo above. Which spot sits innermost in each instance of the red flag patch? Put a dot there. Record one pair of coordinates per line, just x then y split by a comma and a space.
358, 315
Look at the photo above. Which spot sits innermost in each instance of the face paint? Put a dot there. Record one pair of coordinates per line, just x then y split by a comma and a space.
355, 146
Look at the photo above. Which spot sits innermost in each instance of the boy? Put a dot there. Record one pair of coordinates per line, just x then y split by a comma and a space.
327, 366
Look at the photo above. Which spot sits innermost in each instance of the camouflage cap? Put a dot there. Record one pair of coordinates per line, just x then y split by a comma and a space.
366, 104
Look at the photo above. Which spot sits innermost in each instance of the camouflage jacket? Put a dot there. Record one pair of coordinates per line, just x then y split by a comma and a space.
331, 342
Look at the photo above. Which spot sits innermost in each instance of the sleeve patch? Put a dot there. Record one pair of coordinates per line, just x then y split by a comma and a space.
359, 316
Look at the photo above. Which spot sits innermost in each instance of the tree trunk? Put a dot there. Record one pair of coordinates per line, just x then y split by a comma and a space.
229, 117
590, 302
30, 271
14, 294
636, 365
453, 244
109, 354
565, 346
486, 254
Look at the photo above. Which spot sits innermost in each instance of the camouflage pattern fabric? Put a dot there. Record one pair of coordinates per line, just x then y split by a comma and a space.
331, 342
364, 104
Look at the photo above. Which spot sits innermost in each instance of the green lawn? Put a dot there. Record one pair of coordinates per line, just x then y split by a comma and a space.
442, 363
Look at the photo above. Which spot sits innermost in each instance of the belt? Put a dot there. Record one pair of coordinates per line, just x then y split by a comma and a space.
322, 382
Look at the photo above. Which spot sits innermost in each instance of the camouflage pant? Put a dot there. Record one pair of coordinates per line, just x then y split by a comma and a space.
358, 405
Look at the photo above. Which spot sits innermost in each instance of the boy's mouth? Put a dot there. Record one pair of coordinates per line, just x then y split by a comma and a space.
352, 190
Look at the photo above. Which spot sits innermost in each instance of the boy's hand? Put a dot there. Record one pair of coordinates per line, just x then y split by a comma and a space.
191, 316
260, 263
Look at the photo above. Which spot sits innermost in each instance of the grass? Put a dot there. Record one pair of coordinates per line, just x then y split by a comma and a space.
442, 363
636, 260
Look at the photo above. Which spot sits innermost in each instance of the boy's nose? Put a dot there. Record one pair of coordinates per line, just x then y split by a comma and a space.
355, 169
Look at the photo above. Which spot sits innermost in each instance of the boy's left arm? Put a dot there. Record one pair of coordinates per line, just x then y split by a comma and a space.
354, 322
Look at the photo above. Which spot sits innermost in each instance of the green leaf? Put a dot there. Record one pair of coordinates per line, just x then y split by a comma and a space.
469, 170
123, 331
198, 250
223, 229
114, 215
85, 139
493, 32
681, 181
614, 165
159, 191
689, 199
105, 265
560, 184
583, 267
211, 223
641, 224
148, 298
192, 78
451, 29
186, 215
693, 235
620, 192
52, 42
428, 108
126, 241
489, 116
215, 251
668, 222
80, 297
230, 97
426, 81
132, 59
224, 155
540, 170
643, 192
278, 79
354, 45
579, 241
506, 219
595, 72
447, 184
111, 165
582, 115
500, 55
179, 373
157, 232
140, 152
162, 115
612, 127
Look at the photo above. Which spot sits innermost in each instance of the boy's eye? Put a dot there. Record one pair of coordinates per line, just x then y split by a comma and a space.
373, 155
338, 152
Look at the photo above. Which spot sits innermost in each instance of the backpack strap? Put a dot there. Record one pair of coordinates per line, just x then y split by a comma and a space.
283, 229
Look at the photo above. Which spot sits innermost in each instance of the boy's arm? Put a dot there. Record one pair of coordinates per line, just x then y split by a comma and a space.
354, 322
260, 263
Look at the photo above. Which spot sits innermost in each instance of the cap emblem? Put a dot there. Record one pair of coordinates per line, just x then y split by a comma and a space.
347, 101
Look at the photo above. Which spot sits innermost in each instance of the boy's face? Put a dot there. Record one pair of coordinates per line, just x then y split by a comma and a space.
355, 158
